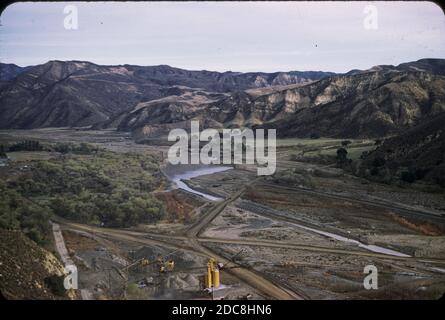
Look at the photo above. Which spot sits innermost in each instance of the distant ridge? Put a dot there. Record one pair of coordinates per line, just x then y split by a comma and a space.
79, 93
380, 101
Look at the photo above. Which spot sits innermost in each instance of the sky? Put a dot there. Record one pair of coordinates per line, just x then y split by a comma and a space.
225, 36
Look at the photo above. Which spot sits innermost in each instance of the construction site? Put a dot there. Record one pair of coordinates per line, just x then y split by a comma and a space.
122, 267
230, 234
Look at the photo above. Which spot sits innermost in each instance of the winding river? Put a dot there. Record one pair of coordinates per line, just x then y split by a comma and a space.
180, 174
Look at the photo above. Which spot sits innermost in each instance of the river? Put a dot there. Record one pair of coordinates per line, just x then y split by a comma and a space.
179, 174
369, 247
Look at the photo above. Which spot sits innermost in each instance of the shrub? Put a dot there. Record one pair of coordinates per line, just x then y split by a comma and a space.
315, 136
26, 145
55, 284
342, 155
378, 161
408, 176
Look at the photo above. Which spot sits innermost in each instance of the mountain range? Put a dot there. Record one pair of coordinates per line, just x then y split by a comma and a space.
75, 93
9, 71
380, 101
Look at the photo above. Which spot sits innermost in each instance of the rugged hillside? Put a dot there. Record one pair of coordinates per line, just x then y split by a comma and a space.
75, 93
164, 111
28, 271
435, 66
381, 101
222, 82
417, 154
59, 94
9, 71
368, 104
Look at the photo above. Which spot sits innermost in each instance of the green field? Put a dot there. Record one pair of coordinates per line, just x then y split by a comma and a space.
325, 147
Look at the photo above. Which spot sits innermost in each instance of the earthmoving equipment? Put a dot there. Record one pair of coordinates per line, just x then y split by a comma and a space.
165, 266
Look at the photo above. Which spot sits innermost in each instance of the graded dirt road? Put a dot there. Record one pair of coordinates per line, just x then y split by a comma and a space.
65, 257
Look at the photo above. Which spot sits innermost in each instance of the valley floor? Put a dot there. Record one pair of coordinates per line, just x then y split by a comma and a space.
274, 235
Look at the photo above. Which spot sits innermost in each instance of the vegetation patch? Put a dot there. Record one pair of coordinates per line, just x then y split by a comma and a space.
83, 184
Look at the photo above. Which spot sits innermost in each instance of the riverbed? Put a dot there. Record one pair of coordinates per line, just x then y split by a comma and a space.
369, 247
179, 174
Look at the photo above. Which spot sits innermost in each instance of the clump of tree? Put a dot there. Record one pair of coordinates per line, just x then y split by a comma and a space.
377, 165
345, 143
19, 213
314, 136
26, 145
105, 188
82, 148
55, 284
3, 150
408, 176
115, 210
342, 157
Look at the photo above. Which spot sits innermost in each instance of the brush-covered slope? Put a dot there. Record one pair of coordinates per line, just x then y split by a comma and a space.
377, 102
75, 93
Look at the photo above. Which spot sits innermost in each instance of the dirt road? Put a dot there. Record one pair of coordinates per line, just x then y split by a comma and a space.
85, 294
193, 242
290, 245
251, 278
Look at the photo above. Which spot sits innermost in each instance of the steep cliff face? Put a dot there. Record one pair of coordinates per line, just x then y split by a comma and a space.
367, 104
361, 105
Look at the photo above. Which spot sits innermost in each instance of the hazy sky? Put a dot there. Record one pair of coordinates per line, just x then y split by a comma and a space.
233, 36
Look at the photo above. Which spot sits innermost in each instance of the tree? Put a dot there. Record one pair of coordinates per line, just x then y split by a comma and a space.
314, 136
342, 155
26, 145
375, 171
408, 176
378, 161
3, 151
